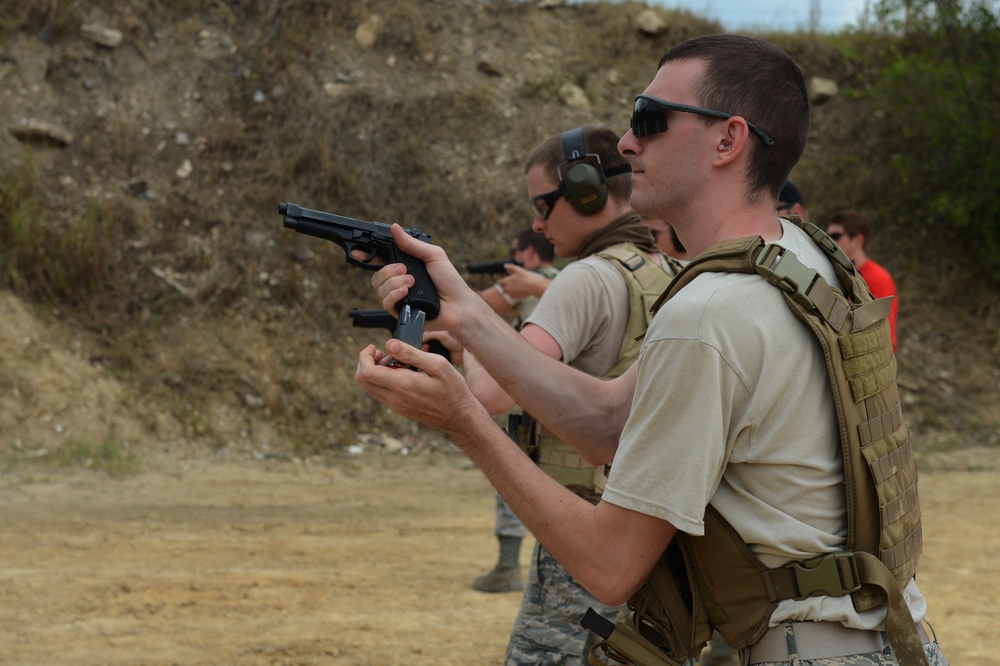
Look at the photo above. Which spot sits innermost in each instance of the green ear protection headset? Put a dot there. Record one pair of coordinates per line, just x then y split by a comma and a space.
581, 177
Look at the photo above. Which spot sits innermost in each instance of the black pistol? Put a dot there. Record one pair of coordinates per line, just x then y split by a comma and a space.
491, 267
374, 239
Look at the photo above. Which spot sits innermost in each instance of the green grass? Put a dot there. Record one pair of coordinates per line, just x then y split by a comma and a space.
110, 457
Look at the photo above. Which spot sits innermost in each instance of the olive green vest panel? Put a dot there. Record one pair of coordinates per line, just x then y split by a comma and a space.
645, 281
715, 580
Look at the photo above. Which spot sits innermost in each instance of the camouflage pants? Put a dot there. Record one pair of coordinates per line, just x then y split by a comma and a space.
547, 630
718, 653
885, 657
508, 524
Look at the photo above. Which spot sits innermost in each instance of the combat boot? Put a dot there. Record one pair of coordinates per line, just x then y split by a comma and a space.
506, 575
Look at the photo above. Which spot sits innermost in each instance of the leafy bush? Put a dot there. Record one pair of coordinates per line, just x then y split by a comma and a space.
938, 88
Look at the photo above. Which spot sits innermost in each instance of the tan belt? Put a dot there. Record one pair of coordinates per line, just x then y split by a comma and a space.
819, 640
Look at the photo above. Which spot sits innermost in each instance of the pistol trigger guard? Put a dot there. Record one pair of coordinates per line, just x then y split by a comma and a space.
366, 263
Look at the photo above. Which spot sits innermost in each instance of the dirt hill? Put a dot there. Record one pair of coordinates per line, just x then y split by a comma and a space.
184, 320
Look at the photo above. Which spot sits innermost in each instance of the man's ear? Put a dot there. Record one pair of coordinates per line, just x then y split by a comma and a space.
733, 141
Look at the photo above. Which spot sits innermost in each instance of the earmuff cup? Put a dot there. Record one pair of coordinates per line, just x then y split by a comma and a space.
586, 189
584, 184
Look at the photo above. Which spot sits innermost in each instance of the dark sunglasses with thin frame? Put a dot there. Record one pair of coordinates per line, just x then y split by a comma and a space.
649, 117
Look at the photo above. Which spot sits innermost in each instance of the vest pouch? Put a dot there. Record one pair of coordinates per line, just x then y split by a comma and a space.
624, 645
664, 613
523, 429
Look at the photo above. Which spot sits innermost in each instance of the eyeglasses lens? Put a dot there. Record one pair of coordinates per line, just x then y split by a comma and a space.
647, 118
544, 203
837, 235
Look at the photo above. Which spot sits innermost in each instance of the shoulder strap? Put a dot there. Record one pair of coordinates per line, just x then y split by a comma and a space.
645, 281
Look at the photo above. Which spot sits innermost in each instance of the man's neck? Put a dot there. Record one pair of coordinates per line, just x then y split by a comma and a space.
707, 230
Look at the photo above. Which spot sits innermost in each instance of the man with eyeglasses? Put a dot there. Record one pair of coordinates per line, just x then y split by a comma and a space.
727, 427
852, 231
586, 318
535, 254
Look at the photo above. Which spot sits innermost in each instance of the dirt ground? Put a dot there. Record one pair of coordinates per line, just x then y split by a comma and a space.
368, 562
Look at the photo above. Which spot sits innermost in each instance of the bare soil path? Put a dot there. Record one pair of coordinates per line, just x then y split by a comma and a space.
368, 562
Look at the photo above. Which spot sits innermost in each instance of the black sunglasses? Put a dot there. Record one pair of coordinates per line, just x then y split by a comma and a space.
837, 235
649, 117
544, 203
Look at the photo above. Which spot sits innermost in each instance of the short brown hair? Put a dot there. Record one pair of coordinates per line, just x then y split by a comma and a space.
537, 241
755, 79
853, 222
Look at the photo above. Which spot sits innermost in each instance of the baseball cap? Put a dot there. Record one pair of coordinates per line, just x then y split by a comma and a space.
790, 195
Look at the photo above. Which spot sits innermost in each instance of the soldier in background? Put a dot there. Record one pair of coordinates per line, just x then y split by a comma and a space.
535, 254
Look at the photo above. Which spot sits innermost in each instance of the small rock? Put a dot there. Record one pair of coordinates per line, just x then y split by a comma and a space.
822, 90
106, 37
489, 68
42, 132
573, 96
185, 169
369, 31
650, 23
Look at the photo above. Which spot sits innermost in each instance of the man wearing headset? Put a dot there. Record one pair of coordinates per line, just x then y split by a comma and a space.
579, 189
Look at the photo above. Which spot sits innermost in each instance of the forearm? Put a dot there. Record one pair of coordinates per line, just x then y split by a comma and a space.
486, 390
584, 411
599, 546
496, 300
610, 550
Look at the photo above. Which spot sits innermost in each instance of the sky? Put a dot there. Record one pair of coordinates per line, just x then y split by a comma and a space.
790, 15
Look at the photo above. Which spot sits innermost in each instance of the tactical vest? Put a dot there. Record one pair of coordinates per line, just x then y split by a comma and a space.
715, 580
646, 281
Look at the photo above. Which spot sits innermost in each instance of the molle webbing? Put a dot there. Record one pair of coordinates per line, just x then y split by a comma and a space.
729, 587
646, 282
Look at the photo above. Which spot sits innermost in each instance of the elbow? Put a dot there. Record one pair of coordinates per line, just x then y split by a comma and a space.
615, 591
615, 584
596, 455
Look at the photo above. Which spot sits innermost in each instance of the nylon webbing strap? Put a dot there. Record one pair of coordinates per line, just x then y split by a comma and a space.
871, 373
827, 244
834, 574
871, 313
859, 345
903, 551
833, 308
892, 462
634, 263
899, 627
880, 426
895, 509
783, 269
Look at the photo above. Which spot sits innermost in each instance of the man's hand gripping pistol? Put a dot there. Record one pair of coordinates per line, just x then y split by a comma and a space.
375, 240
